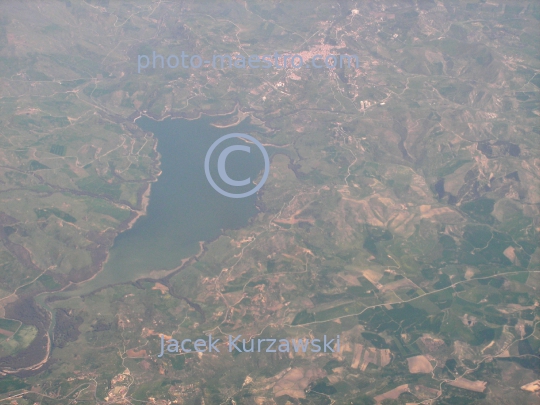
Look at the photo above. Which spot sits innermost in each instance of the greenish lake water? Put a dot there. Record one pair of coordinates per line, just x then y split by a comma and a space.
183, 208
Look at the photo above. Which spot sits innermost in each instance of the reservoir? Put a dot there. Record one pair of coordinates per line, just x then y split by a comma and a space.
183, 208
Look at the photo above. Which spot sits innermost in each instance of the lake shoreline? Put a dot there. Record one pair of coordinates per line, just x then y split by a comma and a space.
129, 248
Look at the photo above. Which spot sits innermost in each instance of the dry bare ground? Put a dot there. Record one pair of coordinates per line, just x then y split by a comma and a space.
532, 387
478, 386
419, 364
392, 394
295, 381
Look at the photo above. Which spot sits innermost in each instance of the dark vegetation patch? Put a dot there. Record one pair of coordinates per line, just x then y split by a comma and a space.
498, 149
10, 383
322, 387
375, 235
59, 150
66, 328
375, 340
35, 165
303, 317
480, 209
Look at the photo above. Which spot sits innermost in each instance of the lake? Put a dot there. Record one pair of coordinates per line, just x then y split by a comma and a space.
183, 208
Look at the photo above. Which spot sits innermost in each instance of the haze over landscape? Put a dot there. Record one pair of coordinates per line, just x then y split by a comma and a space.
400, 215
